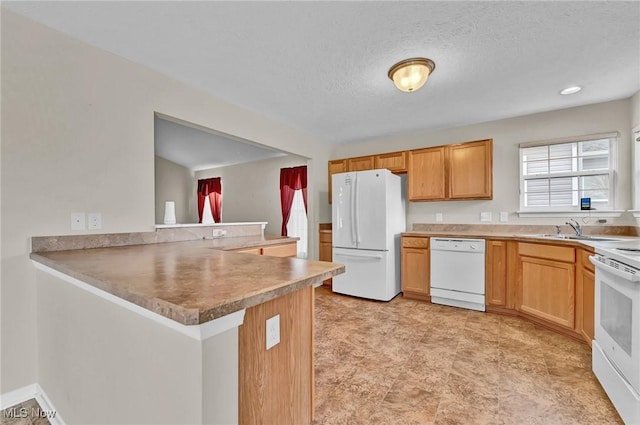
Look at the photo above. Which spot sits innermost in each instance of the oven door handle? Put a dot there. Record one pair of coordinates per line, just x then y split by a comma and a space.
620, 273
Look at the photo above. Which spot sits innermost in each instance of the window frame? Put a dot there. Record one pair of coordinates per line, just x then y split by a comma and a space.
611, 172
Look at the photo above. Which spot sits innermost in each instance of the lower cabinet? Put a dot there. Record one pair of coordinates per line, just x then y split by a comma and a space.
547, 283
326, 252
585, 296
415, 268
283, 250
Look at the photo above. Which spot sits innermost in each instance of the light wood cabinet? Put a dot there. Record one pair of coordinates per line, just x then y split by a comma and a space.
459, 171
396, 162
326, 251
426, 174
585, 293
361, 163
496, 273
415, 268
284, 250
470, 170
336, 166
547, 283
289, 249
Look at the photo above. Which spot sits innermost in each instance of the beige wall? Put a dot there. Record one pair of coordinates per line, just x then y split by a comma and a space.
77, 135
251, 191
507, 134
173, 182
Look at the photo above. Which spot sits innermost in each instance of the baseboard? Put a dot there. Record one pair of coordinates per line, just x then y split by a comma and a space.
27, 393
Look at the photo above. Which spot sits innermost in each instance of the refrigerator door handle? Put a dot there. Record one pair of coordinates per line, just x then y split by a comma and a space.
377, 257
353, 210
357, 212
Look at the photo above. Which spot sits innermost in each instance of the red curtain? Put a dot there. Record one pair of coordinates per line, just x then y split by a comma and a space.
213, 189
291, 179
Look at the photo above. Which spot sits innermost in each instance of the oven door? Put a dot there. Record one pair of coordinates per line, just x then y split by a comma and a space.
617, 320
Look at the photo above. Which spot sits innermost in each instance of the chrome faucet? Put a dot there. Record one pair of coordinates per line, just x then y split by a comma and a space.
576, 228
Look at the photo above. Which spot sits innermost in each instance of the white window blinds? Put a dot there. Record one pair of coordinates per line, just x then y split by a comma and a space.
557, 174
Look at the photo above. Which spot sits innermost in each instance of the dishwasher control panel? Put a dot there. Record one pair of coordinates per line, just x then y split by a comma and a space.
464, 245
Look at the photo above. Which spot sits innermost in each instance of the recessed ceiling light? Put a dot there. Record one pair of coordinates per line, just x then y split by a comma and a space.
571, 90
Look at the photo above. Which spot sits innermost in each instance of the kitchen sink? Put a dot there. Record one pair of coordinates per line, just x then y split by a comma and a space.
577, 238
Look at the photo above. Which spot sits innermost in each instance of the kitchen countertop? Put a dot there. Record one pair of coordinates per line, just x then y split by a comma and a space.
523, 237
191, 282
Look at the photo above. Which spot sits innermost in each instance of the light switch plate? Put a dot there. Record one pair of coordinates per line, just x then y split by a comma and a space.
504, 216
485, 216
273, 331
78, 221
439, 218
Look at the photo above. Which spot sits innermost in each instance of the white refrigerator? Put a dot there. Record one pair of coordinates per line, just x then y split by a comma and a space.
368, 215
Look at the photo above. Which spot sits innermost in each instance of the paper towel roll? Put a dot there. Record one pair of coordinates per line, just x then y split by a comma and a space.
169, 212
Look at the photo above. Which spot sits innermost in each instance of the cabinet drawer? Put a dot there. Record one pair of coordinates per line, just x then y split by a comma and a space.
286, 250
550, 252
415, 242
325, 237
255, 251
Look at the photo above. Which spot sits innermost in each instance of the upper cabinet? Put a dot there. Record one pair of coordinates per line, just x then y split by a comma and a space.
360, 163
460, 171
471, 170
451, 172
426, 175
396, 162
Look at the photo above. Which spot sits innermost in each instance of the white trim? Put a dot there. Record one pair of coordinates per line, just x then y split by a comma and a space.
576, 213
27, 393
636, 213
198, 332
586, 137
173, 226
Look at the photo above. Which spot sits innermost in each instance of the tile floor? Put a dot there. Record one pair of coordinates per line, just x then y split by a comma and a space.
407, 362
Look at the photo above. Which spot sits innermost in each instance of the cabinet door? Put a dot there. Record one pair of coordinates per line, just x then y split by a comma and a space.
326, 252
471, 170
336, 166
496, 273
396, 162
585, 288
415, 268
361, 163
548, 290
426, 174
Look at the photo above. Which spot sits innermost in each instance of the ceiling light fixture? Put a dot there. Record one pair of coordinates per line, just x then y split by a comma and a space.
411, 74
571, 90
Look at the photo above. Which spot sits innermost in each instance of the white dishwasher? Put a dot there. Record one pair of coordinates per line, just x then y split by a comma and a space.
457, 272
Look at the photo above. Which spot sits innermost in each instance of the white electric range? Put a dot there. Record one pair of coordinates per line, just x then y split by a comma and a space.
616, 347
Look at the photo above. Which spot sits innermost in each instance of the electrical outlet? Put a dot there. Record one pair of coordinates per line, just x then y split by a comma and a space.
78, 221
273, 331
94, 221
439, 218
504, 216
218, 233
485, 216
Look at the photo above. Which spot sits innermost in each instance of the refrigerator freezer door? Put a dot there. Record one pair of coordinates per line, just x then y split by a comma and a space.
371, 210
368, 274
343, 210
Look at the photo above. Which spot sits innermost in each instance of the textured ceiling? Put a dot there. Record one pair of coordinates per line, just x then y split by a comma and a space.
321, 67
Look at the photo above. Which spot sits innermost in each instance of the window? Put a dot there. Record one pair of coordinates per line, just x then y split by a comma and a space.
297, 225
555, 175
